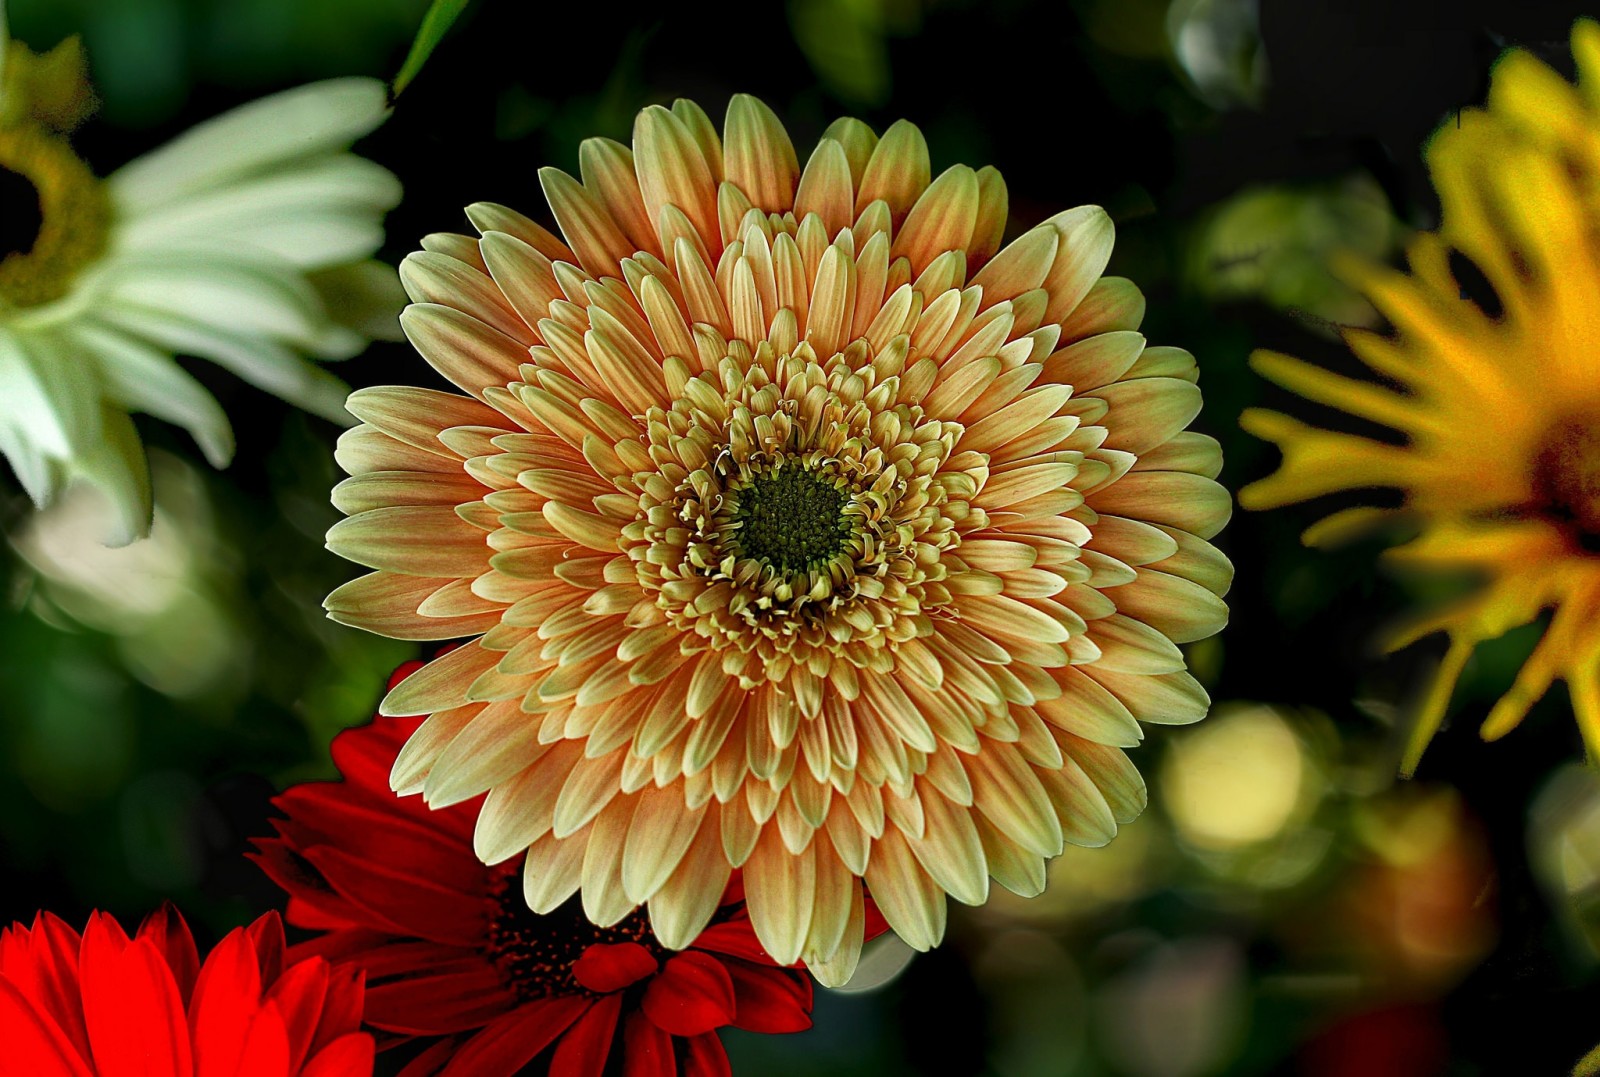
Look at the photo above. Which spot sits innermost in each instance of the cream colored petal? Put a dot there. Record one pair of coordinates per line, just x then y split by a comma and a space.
951, 850
436, 278
897, 172
942, 219
1186, 502
425, 540
1087, 235
994, 207
594, 237
488, 217
463, 349
673, 171
909, 899
604, 901
660, 834
826, 188
1008, 792
607, 171
522, 273
386, 603
758, 156
1113, 304
858, 141
1165, 699
1172, 605
682, 907
520, 810
780, 888
552, 873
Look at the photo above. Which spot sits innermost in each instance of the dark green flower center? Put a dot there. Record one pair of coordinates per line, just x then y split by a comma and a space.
20, 215
791, 518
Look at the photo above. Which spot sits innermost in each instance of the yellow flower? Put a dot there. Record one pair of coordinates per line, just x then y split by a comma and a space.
227, 244
1498, 409
803, 532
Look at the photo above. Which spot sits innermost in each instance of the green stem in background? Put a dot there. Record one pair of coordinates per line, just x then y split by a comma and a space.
441, 15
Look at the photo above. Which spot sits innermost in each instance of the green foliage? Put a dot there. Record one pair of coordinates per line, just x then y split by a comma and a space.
442, 14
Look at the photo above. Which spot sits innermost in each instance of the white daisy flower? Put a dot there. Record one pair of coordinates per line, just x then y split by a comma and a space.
227, 244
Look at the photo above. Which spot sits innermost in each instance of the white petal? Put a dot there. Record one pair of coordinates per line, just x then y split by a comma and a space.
62, 412
142, 378
245, 297
257, 360
253, 138
117, 465
315, 215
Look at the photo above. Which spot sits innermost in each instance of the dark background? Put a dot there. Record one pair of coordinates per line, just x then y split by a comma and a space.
116, 792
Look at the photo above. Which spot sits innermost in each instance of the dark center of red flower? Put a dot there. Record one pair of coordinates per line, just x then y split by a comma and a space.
536, 953
1566, 480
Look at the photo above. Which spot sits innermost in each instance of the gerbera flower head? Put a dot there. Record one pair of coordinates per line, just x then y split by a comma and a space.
219, 245
1497, 402
802, 529
456, 960
104, 1004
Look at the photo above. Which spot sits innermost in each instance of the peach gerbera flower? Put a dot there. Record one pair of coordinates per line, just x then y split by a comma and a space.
801, 531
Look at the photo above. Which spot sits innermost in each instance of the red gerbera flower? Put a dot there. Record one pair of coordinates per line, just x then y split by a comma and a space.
105, 1005
453, 953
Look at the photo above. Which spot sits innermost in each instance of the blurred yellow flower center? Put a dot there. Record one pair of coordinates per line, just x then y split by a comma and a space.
56, 216
1566, 478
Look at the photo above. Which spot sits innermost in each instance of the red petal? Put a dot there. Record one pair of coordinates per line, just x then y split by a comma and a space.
380, 828
647, 1050
365, 754
770, 1000
313, 903
341, 1008
583, 1050
33, 1043
299, 995
265, 1050
606, 967
464, 995
131, 1006
513, 1041
734, 937
397, 898
875, 923
430, 1061
266, 935
348, 1056
167, 932
706, 1058
43, 964
693, 994
111, 933
226, 996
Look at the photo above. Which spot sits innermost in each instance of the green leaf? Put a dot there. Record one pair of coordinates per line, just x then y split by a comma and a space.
441, 15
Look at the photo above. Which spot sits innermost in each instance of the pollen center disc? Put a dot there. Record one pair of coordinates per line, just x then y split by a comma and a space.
791, 518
